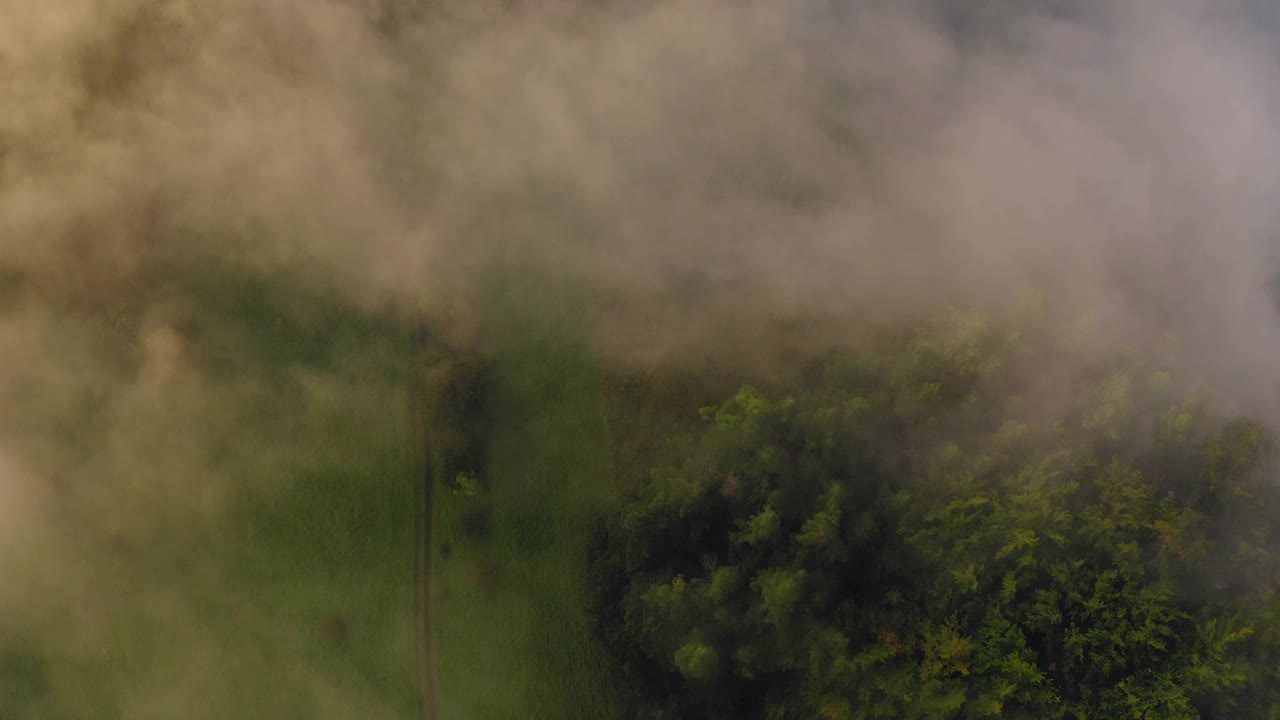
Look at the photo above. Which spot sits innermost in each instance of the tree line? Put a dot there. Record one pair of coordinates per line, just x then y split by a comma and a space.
974, 521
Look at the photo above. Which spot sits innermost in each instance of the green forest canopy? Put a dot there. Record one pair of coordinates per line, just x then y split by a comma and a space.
938, 530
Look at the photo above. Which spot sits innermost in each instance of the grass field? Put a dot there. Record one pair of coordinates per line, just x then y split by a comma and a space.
512, 636
289, 595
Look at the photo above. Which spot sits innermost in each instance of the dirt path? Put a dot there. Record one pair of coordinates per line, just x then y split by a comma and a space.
424, 542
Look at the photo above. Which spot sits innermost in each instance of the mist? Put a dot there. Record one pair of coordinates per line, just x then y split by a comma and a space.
744, 183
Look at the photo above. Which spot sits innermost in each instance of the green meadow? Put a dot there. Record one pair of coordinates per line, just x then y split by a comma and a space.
512, 638
289, 594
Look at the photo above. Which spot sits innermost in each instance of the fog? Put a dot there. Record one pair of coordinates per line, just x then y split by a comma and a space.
743, 183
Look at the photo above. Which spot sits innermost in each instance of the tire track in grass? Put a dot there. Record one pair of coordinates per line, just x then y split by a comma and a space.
424, 536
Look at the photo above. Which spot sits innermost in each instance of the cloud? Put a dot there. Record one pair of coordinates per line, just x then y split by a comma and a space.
701, 178
854, 160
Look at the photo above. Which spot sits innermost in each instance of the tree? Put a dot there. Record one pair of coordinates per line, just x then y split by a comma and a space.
905, 537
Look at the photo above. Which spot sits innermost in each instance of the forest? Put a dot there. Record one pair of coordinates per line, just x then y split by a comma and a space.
911, 533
